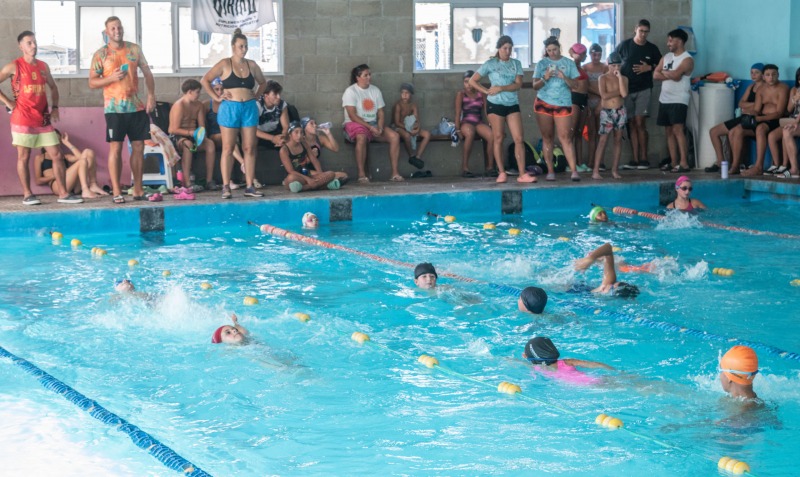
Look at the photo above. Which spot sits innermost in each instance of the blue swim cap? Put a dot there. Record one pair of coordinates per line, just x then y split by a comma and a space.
216, 81
304, 121
758, 66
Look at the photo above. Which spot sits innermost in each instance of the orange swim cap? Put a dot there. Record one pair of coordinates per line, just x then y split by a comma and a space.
740, 364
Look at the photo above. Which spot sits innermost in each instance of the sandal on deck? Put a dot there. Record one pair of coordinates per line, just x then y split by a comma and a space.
119, 199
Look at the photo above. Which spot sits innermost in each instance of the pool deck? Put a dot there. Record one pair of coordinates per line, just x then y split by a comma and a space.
431, 185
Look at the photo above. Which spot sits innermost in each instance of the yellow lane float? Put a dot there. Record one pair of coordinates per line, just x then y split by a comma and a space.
449, 218
304, 317
428, 361
723, 272
513, 231
359, 337
250, 300
508, 388
206, 286
488, 226
733, 466
75, 243
607, 421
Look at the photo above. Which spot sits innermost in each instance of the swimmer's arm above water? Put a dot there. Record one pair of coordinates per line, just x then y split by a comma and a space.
239, 327
586, 364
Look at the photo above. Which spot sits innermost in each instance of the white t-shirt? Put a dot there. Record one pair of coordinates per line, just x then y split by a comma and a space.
676, 91
366, 101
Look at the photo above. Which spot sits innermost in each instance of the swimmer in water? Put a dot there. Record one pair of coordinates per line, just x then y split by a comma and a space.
683, 187
425, 276
236, 334
610, 286
738, 368
532, 300
543, 354
310, 221
125, 288
598, 215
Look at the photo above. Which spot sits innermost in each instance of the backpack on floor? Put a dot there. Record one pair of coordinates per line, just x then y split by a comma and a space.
532, 158
559, 159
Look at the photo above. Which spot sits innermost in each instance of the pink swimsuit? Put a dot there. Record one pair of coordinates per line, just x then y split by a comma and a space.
569, 374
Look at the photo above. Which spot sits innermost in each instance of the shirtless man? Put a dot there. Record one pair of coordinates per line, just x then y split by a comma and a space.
185, 117
675, 71
613, 87
771, 101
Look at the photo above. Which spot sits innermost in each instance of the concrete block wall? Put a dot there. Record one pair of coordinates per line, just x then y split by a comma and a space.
325, 39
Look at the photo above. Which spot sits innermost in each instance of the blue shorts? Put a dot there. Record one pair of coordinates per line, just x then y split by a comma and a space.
235, 114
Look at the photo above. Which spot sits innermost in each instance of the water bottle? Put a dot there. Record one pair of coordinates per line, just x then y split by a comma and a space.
324, 125
454, 138
724, 170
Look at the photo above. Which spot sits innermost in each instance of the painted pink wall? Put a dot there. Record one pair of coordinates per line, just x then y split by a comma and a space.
86, 128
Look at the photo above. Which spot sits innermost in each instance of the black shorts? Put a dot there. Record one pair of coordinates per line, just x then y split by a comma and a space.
732, 123
772, 124
134, 125
671, 114
501, 110
580, 100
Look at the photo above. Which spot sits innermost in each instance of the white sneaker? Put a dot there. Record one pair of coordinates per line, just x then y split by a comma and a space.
257, 184
31, 200
234, 185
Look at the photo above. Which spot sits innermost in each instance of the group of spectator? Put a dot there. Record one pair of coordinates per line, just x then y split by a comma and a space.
770, 112
246, 111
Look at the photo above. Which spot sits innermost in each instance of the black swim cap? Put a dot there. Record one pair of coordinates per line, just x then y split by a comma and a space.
424, 268
534, 299
625, 290
541, 350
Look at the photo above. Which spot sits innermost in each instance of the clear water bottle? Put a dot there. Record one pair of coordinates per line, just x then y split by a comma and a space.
724, 169
326, 125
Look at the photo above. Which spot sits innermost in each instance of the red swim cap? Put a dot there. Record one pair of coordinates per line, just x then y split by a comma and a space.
217, 336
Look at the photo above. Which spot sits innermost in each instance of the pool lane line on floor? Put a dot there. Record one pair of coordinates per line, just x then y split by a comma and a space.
168, 457
450, 372
570, 305
626, 211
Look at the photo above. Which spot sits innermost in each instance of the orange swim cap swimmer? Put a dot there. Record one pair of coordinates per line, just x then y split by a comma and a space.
740, 364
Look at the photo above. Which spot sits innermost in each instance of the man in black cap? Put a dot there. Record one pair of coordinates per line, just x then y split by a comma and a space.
425, 276
532, 300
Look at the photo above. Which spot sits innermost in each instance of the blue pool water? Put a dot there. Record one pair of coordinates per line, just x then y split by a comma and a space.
304, 399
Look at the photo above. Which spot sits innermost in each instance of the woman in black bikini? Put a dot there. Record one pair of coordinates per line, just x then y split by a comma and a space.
304, 172
238, 110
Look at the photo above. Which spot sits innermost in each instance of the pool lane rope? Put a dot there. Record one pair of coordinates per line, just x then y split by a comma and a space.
505, 387
658, 217
140, 438
513, 291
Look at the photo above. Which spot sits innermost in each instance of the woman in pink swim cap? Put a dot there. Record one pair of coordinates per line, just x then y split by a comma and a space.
683, 187
236, 334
